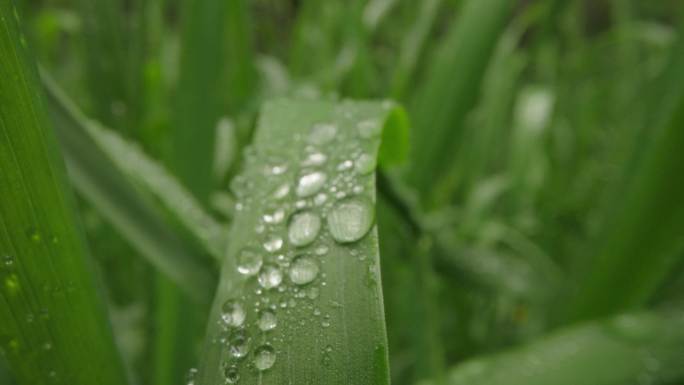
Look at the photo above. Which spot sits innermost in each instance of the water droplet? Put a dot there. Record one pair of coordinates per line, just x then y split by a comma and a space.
314, 159
365, 164
310, 183
232, 375
350, 220
282, 191
320, 199
264, 357
312, 293
369, 128
273, 244
274, 218
12, 284
321, 250
267, 320
322, 133
191, 376
249, 262
303, 228
232, 313
346, 165
278, 169
33, 235
270, 277
8, 261
239, 344
303, 270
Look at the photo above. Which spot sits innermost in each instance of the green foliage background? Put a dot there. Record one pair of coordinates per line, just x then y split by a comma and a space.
533, 233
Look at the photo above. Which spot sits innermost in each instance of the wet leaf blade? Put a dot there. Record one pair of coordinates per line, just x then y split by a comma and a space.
334, 333
52, 310
623, 350
97, 173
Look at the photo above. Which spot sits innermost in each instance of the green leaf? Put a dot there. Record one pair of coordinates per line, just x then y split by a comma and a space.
98, 173
450, 89
628, 349
198, 98
52, 312
317, 252
643, 239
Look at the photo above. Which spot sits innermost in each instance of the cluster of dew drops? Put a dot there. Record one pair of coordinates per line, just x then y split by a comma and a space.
309, 205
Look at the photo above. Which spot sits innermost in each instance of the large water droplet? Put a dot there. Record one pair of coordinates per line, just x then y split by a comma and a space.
304, 228
303, 270
322, 133
310, 183
232, 313
273, 244
270, 277
249, 262
350, 220
264, 357
267, 320
232, 375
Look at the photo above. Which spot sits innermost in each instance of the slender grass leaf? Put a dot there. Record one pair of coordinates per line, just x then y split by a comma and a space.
628, 349
643, 239
241, 73
52, 311
107, 64
300, 298
441, 104
413, 46
151, 176
198, 98
99, 178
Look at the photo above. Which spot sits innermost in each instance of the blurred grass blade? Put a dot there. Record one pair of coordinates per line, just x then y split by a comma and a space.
102, 182
644, 237
107, 65
241, 67
198, 96
52, 312
147, 173
413, 46
307, 293
441, 104
628, 349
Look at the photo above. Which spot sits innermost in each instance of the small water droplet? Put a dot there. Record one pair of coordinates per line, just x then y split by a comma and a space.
282, 191
321, 250
311, 183
270, 277
278, 169
274, 218
238, 344
249, 262
304, 228
365, 164
264, 357
369, 128
33, 235
191, 376
346, 165
12, 284
273, 244
312, 293
320, 199
350, 220
232, 375
303, 270
322, 133
232, 313
314, 159
267, 320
